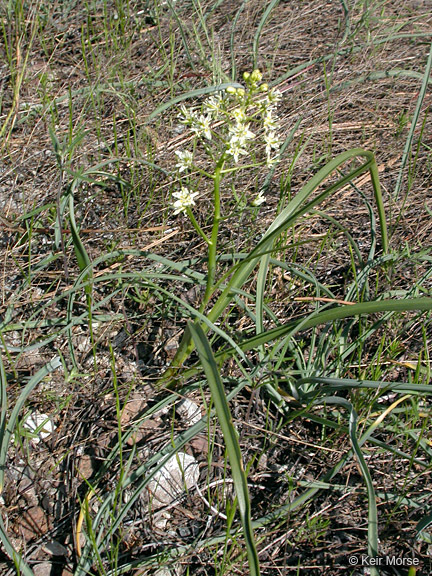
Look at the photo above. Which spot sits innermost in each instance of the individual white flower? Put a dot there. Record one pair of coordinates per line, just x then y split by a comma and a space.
274, 96
271, 100
269, 122
271, 161
185, 160
213, 104
201, 126
186, 115
239, 115
235, 149
272, 142
260, 199
185, 199
241, 133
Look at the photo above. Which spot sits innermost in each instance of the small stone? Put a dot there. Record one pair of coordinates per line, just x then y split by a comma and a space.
85, 466
55, 548
163, 572
33, 523
161, 519
189, 411
42, 569
132, 409
173, 570
29, 494
199, 445
180, 473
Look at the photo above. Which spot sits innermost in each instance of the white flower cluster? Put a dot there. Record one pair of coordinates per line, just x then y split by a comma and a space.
235, 119
270, 123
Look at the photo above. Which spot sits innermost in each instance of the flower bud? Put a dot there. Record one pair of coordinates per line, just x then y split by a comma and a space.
231, 90
264, 87
256, 76
240, 92
246, 76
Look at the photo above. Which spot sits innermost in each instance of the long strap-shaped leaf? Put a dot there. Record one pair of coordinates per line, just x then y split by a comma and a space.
231, 441
296, 208
372, 507
320, 318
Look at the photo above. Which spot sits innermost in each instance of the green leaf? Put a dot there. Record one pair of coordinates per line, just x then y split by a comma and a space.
231, 441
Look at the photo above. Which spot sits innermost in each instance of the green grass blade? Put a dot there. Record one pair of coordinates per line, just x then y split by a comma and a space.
232, 38
22, 568
260, 27
231, 440
182, 33
3, 416
414, 121
372, 507
424, 523
80, 252
10, 426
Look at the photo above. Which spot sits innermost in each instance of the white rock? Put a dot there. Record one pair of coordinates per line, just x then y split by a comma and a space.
164, 572
180, 473
173, 570
189, 411
39, 424
161, 519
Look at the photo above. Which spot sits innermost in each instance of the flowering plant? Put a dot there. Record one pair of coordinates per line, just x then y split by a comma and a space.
236, 129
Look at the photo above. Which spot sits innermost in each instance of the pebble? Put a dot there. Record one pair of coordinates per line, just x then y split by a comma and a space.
189, 411
180, 473
54, 548
42, 569
42, 421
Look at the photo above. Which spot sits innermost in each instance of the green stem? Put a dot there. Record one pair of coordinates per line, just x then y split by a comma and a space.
186, 343
211, 259
197, 227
